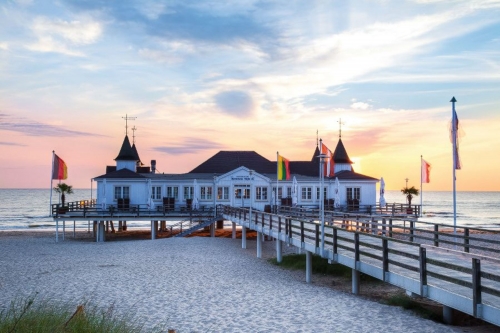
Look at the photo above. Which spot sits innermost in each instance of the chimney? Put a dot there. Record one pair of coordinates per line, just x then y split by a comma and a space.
153, 166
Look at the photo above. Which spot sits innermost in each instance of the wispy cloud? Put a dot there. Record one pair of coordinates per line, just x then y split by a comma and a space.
189, 146
11, 144
62, 36
35, 128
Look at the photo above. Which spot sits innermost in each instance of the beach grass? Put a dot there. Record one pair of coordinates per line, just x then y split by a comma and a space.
319, 266
408, 303
41, 316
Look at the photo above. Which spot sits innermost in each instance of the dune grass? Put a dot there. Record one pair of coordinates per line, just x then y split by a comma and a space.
319, 266
40, 316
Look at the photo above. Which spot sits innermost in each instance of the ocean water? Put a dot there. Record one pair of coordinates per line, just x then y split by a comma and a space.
29, 208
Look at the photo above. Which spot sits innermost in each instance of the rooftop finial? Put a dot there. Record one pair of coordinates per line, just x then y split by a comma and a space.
127, 118
340, 127
317, 141
133, 134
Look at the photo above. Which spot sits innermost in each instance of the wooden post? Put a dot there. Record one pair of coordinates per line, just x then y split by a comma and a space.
390, 228
335, 241
385, 257
423, 271
412, 229
302, 232
466, 240
233, 226
316, 235
476, 286
436, 235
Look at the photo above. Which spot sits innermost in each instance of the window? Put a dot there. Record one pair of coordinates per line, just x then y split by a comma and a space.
325, 193
173, 192
261, 193
206, 193
289, 192
156, 192
280, 192
223, 193
122, 192
188, 192
353, 193
306, 193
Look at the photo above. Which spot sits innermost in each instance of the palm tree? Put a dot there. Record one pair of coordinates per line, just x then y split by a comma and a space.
63, 188
409, 192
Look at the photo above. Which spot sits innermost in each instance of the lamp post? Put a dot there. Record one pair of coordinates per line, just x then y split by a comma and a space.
322, 160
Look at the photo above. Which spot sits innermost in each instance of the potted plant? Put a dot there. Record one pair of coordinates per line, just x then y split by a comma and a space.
409, 192
63, 189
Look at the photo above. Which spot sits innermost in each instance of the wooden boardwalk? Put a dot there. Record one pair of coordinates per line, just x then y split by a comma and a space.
460, 280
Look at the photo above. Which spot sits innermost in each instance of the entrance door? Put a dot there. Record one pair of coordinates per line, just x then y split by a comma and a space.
241, 196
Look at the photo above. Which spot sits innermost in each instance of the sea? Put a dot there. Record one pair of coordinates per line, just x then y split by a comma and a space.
24, 209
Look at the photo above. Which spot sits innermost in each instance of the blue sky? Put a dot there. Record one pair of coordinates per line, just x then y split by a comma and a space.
249, 75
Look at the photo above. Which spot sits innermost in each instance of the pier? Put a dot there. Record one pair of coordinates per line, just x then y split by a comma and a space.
455, 268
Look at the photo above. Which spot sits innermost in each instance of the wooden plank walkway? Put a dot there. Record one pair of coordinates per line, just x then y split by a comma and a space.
468, 282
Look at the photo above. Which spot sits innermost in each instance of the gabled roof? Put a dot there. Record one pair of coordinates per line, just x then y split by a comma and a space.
225, 161
340, 154
122, 173
126, 152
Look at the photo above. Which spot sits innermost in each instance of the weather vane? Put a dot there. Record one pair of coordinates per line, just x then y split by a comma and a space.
133, 134
127, 118
340, 127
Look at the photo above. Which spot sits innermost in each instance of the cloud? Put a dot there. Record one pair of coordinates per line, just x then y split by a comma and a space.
360, 106
34, 128
59, 35
189, 146
236, 103
11, 144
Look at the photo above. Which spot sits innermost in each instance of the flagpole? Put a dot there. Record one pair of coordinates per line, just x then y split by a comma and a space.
277, 180
421, 192
51, 175
454, 140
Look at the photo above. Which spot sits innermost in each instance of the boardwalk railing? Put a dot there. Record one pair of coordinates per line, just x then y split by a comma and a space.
396, 252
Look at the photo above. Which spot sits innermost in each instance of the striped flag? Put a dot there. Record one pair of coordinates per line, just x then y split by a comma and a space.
329, 166
59, 168
426, 172
283, 168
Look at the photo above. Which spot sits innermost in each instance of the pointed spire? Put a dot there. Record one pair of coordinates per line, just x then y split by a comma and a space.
126, 152
340, 154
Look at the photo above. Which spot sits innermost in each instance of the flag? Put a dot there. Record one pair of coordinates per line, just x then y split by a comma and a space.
329, 166
426, 172
454, 135
59, 168
283, 168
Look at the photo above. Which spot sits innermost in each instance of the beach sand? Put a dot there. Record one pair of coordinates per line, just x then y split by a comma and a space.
195, 284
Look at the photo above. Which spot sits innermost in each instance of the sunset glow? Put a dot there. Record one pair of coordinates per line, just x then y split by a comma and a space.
204, 76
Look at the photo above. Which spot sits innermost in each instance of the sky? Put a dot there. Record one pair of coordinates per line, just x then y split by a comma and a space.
265, 76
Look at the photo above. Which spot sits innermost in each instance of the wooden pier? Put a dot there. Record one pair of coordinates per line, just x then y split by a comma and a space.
394, 252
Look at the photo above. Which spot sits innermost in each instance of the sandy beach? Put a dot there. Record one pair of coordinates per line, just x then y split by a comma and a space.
196, 284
